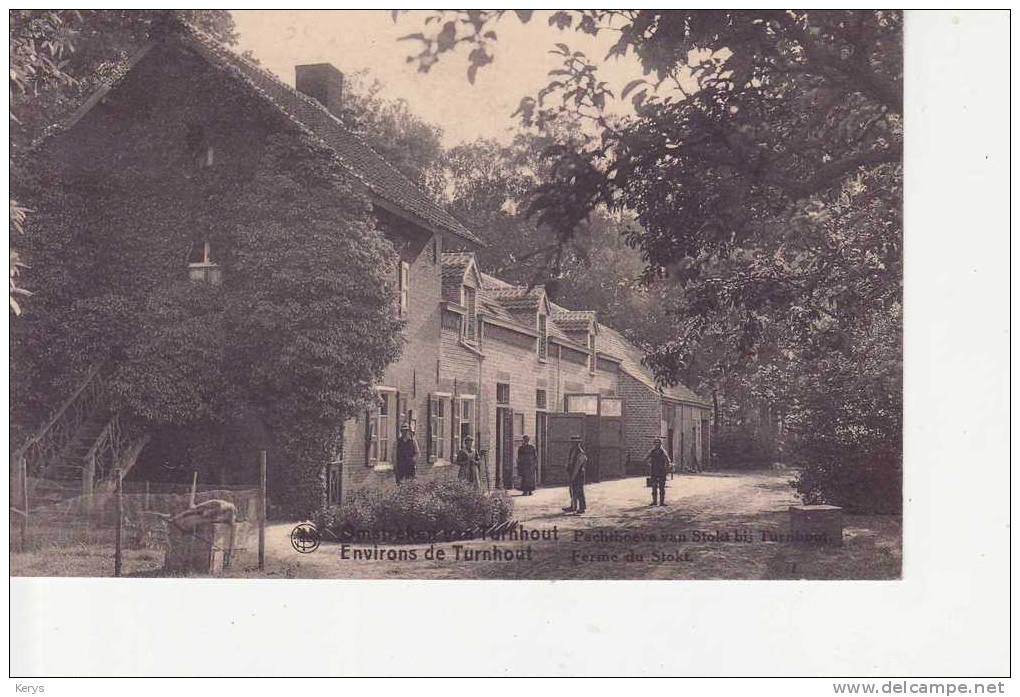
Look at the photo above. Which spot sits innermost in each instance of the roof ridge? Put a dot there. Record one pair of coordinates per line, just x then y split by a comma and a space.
226, 54
308, 100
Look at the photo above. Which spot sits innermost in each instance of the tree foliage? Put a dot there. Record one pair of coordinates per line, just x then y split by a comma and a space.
763, 161
403, 138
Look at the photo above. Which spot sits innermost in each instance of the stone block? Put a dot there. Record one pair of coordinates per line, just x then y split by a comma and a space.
204, 550
820, 524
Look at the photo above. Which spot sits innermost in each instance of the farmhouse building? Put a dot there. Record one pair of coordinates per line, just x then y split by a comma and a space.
481, 356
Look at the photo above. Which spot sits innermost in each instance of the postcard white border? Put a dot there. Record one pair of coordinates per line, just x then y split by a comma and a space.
948, 616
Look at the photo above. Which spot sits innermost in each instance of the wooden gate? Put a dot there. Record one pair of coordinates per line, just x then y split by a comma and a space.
561, 427
609, 438
601, 433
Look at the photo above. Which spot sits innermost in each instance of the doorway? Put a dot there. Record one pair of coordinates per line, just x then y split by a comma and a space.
504, 448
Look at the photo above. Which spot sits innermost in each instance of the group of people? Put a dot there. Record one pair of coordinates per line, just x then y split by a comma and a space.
468, 460
659, 465
469, 467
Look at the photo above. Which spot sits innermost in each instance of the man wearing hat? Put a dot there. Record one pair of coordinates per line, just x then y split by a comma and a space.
576, 461
407, 454
658, 464
527, 465
469, 465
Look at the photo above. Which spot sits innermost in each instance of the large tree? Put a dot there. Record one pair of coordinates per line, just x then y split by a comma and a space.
763, 160
407, 141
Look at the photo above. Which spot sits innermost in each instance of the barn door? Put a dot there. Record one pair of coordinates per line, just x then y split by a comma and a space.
560, 428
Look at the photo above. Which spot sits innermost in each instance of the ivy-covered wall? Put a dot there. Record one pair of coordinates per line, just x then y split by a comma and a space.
281, 353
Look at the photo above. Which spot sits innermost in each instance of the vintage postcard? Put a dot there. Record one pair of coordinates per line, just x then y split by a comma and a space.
352, 295
503, 342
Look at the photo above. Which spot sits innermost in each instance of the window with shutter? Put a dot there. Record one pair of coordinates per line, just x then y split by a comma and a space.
502, 393
454, 424
430, 449
381, 425
543, 337
403, 283
441, 421
470, 321
384, 428
370, 438
463, 421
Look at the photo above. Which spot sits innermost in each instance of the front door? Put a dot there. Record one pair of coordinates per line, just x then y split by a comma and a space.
504, 448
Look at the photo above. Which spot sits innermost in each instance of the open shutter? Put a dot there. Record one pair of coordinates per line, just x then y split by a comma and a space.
454, 425
399, 419
404, 281
368, 438
428, 431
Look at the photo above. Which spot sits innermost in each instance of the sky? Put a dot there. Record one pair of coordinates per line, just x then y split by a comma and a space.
354, 40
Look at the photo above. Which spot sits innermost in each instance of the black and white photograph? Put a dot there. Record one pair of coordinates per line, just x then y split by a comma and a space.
488, 295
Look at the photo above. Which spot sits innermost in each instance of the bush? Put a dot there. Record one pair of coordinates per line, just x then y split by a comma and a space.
847, 424
874, 485
737, 447
415, 510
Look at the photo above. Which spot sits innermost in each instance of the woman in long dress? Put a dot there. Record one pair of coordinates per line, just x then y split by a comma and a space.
469, 466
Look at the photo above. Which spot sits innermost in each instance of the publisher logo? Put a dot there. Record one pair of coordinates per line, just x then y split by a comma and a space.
304, 538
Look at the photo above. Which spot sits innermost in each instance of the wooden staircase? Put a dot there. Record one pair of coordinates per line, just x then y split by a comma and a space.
84, 441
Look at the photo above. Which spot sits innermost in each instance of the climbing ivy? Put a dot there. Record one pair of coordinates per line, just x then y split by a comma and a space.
302, 323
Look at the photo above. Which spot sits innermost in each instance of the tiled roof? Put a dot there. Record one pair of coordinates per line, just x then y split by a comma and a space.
631, 358
611, 343
382, 178
519, 298
573, 320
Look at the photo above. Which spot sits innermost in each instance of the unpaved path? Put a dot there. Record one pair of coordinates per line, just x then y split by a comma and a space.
714, 526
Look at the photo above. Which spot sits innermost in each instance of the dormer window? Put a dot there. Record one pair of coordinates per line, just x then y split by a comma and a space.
543, 337
469, 326
202, 265
592, 354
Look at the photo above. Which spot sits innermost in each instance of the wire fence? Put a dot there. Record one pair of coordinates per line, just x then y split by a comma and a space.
145, 528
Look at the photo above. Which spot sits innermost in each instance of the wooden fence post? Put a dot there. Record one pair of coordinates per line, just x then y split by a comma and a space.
262, 510
118, 551
146, 495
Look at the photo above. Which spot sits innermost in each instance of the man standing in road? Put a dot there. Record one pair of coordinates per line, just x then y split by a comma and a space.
658, 464
576, 461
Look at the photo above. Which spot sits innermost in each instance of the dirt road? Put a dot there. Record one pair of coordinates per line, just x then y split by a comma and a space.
714, 526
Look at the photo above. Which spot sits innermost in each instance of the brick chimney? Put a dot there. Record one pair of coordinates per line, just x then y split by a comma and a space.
323, 83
